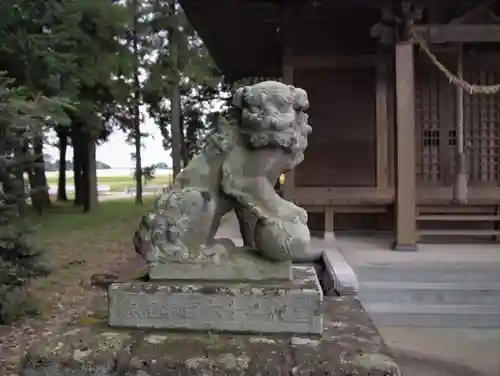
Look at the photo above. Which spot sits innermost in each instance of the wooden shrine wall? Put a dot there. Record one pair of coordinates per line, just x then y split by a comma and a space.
331, 66
342, 146
436, 123
327, 32
482, 123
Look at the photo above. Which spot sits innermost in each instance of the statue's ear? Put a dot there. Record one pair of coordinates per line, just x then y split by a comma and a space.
239, 97
301, 103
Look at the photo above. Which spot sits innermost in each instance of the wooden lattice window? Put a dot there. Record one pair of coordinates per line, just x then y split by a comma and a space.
427, 121
482, 129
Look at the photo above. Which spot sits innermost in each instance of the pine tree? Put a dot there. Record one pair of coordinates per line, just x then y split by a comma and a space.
20, 259
183, 82
36, 54
136, 48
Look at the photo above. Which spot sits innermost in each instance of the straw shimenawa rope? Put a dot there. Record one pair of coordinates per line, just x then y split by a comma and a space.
470, 88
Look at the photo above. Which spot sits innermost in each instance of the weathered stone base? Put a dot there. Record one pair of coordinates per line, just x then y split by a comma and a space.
237, 265
280, 307
350, 345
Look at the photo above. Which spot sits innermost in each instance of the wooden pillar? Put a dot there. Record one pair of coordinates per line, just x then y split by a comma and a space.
287, 75
329, 224
406, 231
382, 116
497, 224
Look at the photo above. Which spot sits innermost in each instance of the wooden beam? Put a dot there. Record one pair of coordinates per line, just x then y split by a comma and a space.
497, 224
269, 6
459, 33
477, 195
391, 133
333, 196
382, 124
289, 185
287, 75
341, 61
377, 209
406, 234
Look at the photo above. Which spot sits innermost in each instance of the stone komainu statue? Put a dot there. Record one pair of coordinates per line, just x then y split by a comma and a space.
237, 170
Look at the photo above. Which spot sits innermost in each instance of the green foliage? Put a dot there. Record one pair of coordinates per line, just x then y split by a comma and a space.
53, 165
148, 173
16, 303
201, 83
20, 259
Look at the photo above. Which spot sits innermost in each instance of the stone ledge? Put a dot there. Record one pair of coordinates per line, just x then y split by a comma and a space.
350, 345
279, 307
338, 274
239, 264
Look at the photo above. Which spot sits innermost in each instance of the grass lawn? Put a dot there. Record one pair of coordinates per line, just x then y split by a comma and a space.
77, 245
120, 183
117, 183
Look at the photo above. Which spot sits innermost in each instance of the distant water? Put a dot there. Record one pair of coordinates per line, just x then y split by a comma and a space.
112, 172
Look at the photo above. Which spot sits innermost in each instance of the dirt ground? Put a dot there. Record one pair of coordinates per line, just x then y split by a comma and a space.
77, 246
68, 305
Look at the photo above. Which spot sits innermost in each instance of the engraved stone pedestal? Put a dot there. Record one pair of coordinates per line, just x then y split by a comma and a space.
293, 306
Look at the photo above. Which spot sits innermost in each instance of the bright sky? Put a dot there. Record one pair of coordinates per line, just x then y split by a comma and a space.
116, 152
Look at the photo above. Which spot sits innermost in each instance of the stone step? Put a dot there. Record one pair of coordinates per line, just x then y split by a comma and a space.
465, 232
444, 316
451, 217
454, 293
448, 273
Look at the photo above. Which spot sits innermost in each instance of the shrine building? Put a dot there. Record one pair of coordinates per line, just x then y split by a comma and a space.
404, 100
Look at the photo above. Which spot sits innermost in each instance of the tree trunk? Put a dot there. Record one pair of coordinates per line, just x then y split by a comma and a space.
77, 164
61, 183
33, 193
138, 158
89, 174
184, 145
41, 185
137, 114
28, 168
21, 204
176, 99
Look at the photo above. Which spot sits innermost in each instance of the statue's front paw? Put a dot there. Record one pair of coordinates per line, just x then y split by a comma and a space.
295, 213
302, 215
282, 240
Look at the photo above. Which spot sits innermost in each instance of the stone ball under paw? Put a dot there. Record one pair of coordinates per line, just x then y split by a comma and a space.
282, 240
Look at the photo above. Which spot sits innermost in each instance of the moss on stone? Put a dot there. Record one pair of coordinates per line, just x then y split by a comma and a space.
89, 320
379, 362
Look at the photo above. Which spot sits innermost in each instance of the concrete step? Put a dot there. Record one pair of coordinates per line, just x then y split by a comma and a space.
465, 232
448, 293
444, 316
461, 218
446, 273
